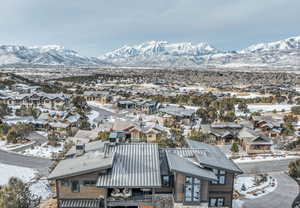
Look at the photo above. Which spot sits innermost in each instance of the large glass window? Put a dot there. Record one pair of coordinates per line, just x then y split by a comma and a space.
166, 181
192, 189
221, 175
216, 202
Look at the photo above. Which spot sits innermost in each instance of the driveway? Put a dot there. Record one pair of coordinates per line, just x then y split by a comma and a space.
282, 197
39, 164
265, 166
102, 113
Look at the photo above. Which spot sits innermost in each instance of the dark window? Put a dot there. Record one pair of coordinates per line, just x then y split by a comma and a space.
221, 175
64, 182
192, 189
75, 186
89, 183
216, 202
166, 181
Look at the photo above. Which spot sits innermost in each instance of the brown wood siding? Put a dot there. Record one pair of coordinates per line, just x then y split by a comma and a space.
204, 190
179, 187
226, 196
85, 191
228, 184
225, 191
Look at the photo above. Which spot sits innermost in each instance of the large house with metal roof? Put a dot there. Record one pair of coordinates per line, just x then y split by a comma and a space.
102, 174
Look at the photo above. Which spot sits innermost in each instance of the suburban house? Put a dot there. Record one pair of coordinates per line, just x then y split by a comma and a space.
221, 132
254, 142
142, 175
143, 106
268, 124
49, 101
179, 114
139, 131
102, 97
58, 121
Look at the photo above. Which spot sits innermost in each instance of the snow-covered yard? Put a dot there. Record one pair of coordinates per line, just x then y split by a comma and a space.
92, 115
252, 187
43, 151
264, 158
27, 175
270, 107
107, 107
236, 203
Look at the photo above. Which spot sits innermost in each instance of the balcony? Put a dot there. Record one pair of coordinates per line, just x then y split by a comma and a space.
138, 198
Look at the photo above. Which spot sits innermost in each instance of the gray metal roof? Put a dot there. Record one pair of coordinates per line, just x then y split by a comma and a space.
135, 165
226, 125
79, 203
255, 137
186, 166
213, 157
177, 111
87, 163
92, 146
187, 152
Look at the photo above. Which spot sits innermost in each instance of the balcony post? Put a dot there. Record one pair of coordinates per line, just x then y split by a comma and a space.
153, 197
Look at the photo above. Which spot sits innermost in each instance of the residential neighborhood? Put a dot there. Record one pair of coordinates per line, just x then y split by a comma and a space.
144, 146
150, 104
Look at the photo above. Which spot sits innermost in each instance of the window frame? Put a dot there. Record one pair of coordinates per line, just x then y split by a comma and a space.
89, 183
72, 186
193, 185
216, 201
65, 182
219, 173
169, 181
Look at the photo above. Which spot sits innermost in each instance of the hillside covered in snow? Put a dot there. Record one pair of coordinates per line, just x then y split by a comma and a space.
284, 53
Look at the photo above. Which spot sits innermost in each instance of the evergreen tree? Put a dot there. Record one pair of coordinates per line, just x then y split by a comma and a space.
18, 195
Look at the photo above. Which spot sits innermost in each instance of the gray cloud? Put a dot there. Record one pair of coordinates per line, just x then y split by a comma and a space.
96, 26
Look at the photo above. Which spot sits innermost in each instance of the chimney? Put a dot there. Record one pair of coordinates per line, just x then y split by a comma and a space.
80, 149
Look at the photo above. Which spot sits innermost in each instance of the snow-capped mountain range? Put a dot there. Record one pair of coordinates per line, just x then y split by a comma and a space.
164, 54
160, 54
43, 55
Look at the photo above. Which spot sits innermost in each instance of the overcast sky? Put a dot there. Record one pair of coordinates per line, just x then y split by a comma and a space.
93, 27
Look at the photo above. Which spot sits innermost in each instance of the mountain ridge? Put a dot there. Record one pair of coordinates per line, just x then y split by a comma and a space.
159, 54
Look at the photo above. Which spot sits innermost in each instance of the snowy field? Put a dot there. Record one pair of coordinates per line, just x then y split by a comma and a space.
107, 107
27, 175
92, 115
247, 187
262, 158
268, 107
43, 151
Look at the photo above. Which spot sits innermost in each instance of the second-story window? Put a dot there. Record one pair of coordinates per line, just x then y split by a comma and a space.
75, 186
192, 189
89, 183
166, 181
221, 175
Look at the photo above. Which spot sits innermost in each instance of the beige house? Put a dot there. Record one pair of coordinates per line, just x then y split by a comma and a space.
254, 142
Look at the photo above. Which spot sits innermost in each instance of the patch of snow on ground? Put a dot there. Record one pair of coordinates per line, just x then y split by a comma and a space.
3, 145
43, 151
41, 188
27, 175
103, 106
236, 203
93, 115
271, 107
264, 158
250, 188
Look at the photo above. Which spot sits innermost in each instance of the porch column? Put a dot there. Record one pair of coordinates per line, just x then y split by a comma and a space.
153, 197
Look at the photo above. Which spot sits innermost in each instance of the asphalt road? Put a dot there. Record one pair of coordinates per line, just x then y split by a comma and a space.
282, 197
265, 166
39, 164
102, 113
